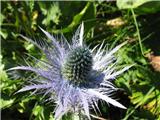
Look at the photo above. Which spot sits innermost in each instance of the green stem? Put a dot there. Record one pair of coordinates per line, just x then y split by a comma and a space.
76, 116
138, 33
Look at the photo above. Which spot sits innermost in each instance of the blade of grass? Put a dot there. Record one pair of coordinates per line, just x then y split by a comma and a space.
138, 33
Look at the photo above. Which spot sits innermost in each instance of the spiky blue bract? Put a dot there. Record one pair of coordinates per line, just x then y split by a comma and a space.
74, 76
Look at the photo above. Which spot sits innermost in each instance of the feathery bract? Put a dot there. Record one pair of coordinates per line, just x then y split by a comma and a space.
75, 76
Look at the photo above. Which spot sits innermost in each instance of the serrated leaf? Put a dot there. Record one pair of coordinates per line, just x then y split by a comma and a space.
53, 15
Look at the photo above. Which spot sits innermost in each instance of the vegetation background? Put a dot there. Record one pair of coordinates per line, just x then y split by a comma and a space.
114, 22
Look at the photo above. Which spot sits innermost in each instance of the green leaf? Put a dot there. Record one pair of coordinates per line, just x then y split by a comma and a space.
5, 101
76, 20
3, 75
37, 110
149, 7
3, 33
2, 17
53, 14
124, 4
42, 113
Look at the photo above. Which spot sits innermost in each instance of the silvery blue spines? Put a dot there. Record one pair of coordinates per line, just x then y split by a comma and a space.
75, 76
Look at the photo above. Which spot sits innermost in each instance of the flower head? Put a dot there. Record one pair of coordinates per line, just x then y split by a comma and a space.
75, 76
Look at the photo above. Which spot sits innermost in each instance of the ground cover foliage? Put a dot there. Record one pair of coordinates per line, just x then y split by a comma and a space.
112, 22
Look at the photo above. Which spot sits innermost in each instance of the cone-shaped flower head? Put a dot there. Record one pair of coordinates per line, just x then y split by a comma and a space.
77, 75
78, 65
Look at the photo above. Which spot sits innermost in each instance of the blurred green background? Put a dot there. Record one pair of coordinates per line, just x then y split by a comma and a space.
135, 21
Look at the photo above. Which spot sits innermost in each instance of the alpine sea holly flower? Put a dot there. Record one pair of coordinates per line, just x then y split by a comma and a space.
74, 76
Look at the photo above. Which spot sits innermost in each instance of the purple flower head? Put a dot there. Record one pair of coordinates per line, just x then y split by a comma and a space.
75, 76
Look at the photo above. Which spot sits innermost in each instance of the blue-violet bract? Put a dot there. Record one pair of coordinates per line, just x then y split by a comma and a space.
75, 77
